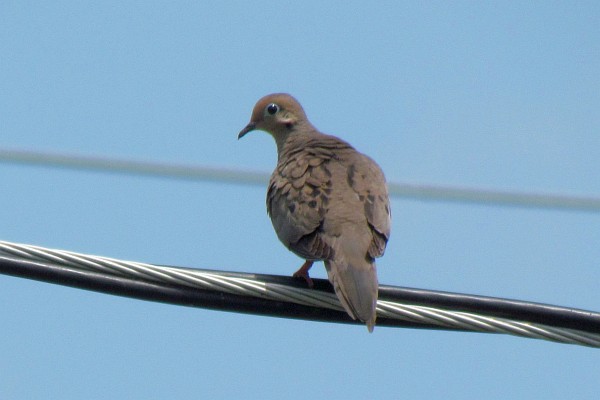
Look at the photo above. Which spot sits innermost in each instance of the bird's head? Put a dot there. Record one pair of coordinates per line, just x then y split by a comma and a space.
278, 114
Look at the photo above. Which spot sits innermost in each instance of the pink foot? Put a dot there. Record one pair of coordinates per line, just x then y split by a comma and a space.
303, 273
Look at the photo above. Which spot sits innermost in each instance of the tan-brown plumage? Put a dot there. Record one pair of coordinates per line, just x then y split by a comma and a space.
327, 202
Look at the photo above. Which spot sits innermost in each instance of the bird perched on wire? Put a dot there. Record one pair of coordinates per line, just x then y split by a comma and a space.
327, 202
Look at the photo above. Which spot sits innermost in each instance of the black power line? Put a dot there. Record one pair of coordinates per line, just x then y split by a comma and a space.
288, 297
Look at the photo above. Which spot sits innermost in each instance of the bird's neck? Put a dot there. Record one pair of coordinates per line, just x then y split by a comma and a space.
294, 139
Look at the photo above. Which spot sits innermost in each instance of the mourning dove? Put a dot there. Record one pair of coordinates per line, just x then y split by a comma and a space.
327, 202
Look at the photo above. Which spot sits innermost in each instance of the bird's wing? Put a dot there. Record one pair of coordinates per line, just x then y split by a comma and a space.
367, 180
297, 201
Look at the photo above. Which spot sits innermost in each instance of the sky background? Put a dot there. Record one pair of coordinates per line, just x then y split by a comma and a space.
501, 95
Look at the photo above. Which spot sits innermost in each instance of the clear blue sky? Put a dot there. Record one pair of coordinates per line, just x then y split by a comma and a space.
494, 94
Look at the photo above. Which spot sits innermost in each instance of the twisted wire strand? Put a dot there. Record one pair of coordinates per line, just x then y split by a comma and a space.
225, 282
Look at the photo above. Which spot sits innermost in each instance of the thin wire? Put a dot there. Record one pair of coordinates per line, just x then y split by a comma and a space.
287, 297
198, 173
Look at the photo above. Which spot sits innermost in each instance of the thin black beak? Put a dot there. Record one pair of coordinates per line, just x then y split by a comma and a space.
250, 127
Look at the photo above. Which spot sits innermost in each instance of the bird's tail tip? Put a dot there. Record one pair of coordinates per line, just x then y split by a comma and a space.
356, 288
371, 324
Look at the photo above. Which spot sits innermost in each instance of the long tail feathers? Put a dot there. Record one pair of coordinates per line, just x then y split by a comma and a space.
356, 287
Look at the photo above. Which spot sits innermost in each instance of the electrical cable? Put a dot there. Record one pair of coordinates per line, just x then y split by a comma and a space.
288, 297
199, 173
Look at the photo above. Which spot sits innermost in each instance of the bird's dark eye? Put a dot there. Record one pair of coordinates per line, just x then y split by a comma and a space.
272, 108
